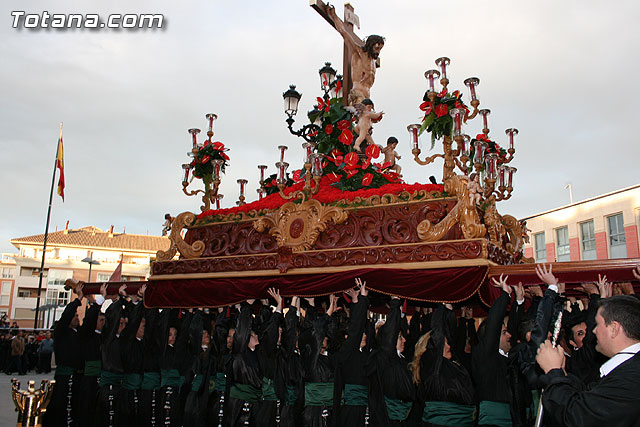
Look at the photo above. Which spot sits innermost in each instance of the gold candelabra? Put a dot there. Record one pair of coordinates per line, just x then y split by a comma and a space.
468, 156
31, 404
211, 183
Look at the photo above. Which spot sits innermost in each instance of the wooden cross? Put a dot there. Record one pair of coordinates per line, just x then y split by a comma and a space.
350, 19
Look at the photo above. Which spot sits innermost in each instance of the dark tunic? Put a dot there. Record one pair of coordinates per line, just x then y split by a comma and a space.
489, 366
111, 404
392, 391
269, 408
442, 379
63, 407
90, 339
318, 371
288, 381
352, 373
612, 401
132, 355
152, 348
244, 376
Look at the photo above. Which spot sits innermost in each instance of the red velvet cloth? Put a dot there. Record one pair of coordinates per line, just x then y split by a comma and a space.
436, 285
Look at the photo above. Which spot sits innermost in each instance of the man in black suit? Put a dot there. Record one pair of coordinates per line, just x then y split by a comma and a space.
615, 398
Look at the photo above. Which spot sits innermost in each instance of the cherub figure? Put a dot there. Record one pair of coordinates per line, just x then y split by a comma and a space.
390, 154
475, 189
166, 227
366, 116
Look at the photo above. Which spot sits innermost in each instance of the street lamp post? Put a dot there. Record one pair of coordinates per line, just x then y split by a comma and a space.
89, 260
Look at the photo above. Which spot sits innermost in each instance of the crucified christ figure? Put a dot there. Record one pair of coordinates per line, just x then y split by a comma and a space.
364, 58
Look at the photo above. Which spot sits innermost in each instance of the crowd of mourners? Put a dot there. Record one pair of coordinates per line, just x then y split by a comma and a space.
311, 362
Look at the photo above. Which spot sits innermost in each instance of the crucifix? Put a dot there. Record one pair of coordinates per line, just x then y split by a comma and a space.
360, 58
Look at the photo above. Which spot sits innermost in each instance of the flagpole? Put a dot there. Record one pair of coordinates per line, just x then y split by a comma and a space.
46, 232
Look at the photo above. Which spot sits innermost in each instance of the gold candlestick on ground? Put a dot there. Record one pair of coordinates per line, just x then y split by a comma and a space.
31, 404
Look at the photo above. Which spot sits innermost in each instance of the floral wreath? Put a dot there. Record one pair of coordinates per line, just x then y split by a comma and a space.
202, 162
436, 118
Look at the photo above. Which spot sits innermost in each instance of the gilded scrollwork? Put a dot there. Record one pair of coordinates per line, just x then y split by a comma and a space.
299, 225
514, 232
465, 213
177, 243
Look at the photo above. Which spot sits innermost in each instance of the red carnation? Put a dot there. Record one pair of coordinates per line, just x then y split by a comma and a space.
426, 107
297, 177
441, 110
346, 137
366, 179
328, 129
372, 151
344, 124
351, 159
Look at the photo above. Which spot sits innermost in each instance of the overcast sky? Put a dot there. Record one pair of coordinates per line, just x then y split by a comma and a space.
565, 73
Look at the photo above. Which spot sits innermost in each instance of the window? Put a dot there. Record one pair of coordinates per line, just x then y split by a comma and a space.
7, 273
24, 293
588, 241
103, 277
5, 294
58, 277
562, 240
541, 249
617, 240
57, 297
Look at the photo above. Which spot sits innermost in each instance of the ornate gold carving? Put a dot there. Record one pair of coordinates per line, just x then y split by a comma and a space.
177, 244
465, 213
514, 231
493, 222
305, 220
358, 202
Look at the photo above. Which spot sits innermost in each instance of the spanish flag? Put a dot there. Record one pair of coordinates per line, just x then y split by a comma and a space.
60, 165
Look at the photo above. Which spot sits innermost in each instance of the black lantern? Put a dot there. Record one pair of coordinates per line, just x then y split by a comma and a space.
291, 99
327, 76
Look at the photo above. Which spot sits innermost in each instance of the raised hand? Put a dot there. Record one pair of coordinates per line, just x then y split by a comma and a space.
502, 283
636, 272
604, 287
546, 275
79, 291
142, 290
275, 294
103, 290
122, 290
550, 357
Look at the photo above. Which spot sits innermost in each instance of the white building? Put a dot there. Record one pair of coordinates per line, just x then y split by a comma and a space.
66, 251
602, 227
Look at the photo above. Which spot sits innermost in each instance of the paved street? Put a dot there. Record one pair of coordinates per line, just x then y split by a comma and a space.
8, 415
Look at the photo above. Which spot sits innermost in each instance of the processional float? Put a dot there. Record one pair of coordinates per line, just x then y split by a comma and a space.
346, 212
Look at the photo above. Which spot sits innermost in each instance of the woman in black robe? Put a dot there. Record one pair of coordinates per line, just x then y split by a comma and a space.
391, 391
244, 376
444, 385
